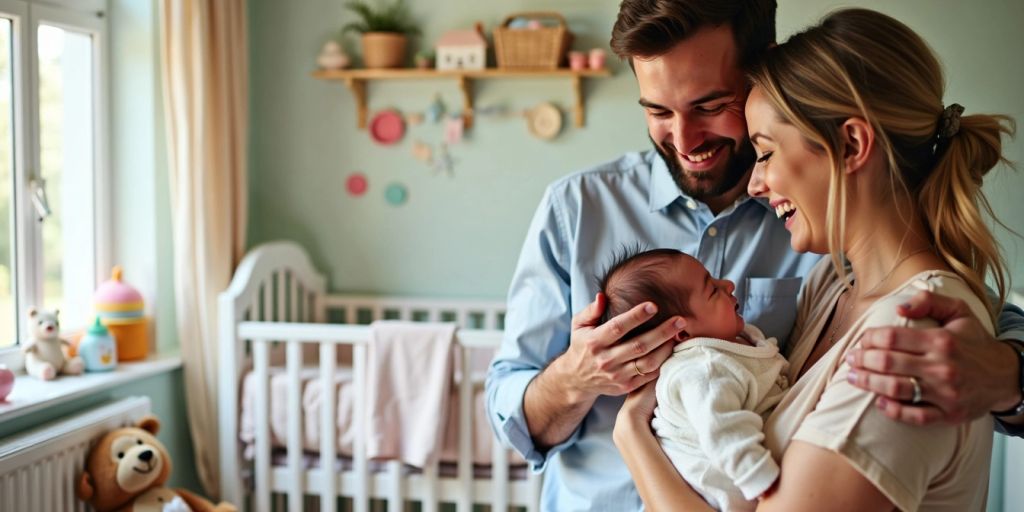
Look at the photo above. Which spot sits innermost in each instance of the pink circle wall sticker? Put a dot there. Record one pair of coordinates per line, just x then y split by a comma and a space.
387, 127
356, 184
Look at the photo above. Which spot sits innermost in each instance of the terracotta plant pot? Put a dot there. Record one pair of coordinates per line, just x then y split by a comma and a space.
384, 49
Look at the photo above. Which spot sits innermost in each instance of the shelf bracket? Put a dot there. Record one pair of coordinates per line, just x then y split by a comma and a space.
358, 88
577, 88
466, 86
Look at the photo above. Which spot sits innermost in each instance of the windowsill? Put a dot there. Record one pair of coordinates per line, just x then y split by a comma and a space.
30, 394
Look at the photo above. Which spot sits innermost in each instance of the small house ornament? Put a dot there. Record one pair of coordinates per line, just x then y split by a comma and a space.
462, 49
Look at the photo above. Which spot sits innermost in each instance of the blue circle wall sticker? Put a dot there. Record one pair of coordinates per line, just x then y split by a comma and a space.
396, 194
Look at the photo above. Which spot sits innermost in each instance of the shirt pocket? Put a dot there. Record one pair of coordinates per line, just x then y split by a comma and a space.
770, 305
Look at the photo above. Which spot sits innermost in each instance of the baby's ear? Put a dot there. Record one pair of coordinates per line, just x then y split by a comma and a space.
682, 336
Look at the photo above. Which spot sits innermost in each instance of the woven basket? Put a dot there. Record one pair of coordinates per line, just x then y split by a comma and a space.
540, 48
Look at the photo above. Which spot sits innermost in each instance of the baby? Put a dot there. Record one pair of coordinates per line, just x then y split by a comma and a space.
722, 379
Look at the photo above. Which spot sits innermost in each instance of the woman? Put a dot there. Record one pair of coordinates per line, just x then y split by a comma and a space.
860, 159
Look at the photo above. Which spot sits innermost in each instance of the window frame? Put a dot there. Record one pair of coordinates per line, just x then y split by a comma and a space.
26, 16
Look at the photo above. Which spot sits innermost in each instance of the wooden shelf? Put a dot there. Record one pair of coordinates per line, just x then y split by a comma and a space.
356, 80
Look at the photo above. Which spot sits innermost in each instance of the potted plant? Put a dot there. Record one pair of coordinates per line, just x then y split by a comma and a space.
384, 32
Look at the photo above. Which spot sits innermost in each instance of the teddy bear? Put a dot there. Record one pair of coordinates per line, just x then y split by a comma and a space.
126, 470
44, 350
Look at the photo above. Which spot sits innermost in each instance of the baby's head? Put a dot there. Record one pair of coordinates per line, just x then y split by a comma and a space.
677, 284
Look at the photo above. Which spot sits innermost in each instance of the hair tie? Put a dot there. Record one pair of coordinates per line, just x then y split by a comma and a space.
948, 126
949, 121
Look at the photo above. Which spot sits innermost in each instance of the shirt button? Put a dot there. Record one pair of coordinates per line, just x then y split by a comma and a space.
691, 204
712, 231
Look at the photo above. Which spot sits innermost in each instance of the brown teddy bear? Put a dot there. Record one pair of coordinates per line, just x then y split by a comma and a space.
126, 471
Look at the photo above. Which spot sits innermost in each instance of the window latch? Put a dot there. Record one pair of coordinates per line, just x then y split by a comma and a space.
39, 200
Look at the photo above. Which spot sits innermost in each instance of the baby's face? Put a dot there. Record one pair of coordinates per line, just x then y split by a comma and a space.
714, 311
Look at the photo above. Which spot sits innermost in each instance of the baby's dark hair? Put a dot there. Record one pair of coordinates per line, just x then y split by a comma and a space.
636, 276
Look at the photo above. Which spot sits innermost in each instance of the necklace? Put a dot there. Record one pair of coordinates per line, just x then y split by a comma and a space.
851, 301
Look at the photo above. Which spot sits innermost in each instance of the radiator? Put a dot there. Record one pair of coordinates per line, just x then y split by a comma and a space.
38, 469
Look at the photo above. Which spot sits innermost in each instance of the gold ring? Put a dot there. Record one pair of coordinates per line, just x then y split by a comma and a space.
916, 399
637, 368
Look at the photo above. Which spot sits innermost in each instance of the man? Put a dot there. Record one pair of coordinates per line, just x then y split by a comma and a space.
555, 387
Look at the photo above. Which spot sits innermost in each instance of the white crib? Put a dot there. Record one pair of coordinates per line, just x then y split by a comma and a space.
275, 313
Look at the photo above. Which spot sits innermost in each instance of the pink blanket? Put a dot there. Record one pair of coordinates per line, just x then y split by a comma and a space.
409, 382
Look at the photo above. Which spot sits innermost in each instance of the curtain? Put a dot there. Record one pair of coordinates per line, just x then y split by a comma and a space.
204, 62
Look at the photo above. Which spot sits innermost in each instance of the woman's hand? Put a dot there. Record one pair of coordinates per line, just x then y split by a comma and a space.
636, 413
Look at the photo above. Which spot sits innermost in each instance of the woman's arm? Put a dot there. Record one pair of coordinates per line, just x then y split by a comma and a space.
659, 484
813, 478
810, 476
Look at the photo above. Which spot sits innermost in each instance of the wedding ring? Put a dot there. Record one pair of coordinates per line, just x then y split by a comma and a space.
916, 399
637, 368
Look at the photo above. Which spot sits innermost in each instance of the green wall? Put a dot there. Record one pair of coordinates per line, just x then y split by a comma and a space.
460, 236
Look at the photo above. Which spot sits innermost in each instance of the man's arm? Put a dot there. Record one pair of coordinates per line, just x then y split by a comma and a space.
963, 372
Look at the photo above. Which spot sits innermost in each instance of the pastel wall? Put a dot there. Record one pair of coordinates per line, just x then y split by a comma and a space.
459, 236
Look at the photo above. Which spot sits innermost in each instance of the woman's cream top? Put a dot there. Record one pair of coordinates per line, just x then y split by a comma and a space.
938, 467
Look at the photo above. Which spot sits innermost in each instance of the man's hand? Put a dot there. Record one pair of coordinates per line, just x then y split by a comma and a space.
599, 362
963, 372
596, 363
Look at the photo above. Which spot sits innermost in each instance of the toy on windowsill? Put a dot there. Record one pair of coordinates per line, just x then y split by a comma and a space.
6, 383
97, 349
122, 311
126, 471
44, 351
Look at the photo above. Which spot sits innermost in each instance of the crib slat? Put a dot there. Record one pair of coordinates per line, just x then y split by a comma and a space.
267, 291
430, 502
360, 417
328, 426
465, 471
294, 364
261, 361
293, 298
395, 485
533, 491
280, 294
499, 476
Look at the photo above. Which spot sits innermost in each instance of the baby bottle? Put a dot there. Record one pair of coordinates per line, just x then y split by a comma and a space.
97, 349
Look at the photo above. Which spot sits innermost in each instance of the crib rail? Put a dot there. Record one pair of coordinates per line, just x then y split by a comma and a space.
427, 488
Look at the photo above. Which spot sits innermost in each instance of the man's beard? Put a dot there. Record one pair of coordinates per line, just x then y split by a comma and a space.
711, 183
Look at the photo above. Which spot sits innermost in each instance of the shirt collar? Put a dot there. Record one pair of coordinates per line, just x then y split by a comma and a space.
663, 188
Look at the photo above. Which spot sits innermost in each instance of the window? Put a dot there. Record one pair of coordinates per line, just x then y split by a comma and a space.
53, 175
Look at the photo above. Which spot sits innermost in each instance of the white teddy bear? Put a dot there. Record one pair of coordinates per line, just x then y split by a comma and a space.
44, 351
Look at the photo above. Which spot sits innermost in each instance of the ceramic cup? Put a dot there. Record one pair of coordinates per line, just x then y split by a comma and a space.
597, 57
577, 61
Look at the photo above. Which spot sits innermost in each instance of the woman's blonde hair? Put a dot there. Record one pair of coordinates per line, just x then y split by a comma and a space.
864, 64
